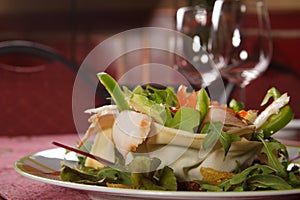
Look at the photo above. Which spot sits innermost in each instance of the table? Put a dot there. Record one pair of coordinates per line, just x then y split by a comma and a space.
15, 186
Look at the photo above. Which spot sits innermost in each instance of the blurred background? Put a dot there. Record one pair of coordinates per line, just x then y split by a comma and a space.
38, 99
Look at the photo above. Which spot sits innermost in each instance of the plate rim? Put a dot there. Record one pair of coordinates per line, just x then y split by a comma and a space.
154, 194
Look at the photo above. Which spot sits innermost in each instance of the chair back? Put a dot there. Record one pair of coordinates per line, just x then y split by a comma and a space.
36, 84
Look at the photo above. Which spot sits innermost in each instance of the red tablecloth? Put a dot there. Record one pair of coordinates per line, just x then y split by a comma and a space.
14, 186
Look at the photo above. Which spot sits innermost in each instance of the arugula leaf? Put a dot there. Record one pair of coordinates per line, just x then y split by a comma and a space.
256, 177
267, 181
226, 140
187, 119
269, 148
283, 152
255, 169
209, 187
293, 180
215, 133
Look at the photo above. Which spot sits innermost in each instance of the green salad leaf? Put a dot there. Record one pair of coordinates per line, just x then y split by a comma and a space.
187, 119
165, 96
226, 140
267, 182
255, 169
70, 174
235, 105
272, 149
163, 179
253, 178
214, 133
151, 178
293, 180
95, 177
203, 102
142, 163
142, 104
166, 178
114, 90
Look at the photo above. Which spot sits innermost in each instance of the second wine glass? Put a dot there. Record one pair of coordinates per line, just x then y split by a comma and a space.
194, 22
247, 40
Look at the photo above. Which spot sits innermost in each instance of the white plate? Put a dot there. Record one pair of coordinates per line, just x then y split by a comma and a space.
44, 166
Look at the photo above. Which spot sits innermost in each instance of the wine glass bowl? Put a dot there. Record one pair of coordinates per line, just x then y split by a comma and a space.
247, 39
235, 34
194, 23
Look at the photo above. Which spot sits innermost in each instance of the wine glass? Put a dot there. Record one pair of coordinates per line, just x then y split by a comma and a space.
246, 45
194, 22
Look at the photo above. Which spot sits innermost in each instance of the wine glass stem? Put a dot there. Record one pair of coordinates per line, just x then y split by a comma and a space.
242, 94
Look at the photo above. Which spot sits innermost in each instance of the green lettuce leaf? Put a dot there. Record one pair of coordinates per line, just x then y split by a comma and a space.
95, 177
187, 119
146, 176
203, 102
166, 96
166, 179
156, 111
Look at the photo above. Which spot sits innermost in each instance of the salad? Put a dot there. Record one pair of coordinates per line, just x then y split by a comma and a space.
162, 139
